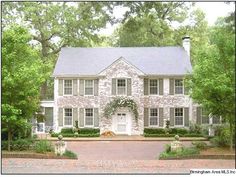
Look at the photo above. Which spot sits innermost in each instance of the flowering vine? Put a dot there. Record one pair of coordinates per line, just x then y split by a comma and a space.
119, 102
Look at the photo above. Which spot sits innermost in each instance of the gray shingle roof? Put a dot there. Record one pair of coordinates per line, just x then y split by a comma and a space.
150, 60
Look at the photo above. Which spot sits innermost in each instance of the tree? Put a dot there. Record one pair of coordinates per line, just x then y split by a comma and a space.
21, 79
213, 79
197, 29
54, 25
150, 23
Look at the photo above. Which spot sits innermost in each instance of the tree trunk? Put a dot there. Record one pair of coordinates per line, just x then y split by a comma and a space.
9, 138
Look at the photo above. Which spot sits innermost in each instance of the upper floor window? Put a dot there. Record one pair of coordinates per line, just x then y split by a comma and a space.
179, 116
67, 87
88, 87
178, 86
153, 86
153, 117
121, 86
89, 117
67, 117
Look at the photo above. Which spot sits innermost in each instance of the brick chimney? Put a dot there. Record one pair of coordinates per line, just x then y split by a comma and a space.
186, 44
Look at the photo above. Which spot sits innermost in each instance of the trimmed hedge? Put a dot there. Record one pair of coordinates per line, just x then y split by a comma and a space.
171, 135
89, 130
67, 131
162, 132
75, 135
154, 130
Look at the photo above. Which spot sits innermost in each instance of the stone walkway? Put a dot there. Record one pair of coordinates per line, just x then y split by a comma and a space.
51, 166
112, 157
118, 150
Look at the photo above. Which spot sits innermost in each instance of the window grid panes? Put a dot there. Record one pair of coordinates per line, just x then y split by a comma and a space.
88, 87
178, 86
89, 117
216, 120
153, 85
205, 117
121, 87
68, 116
179, 116
67, 87
153, 117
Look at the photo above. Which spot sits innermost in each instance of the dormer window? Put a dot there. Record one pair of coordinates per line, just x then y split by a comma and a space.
121, 86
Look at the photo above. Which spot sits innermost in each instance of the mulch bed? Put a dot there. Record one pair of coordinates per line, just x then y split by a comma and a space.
33, 155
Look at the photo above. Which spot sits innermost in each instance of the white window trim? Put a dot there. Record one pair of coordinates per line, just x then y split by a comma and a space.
71, 117
183, 118
158, 82
85, 118
126, 88
37, 127
150, 116
84, 87
64, 87
182, 86
43, 112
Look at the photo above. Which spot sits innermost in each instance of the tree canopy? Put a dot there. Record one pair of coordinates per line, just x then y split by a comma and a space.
22, 77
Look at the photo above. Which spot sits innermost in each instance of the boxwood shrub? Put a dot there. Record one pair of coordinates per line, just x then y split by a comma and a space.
89, 130
179, 131
67, 130
154, 130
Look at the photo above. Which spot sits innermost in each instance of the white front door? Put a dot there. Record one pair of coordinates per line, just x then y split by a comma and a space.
121, 123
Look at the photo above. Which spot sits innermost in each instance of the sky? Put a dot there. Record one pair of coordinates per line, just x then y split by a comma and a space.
213, 10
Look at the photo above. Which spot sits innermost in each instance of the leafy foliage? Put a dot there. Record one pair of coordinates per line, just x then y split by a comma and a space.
199, 144
43, 146
22, 77
186, 151
213, 79
70, 154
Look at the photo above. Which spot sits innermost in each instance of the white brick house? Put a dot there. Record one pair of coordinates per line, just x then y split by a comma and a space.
87, 79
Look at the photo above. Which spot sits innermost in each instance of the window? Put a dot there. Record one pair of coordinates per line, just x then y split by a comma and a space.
153, 85
121, 86
216, 120
67, 87
89, 117
67, 116
88, 87
40, 127
179, 118
178, 86
205, 117
153, 117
